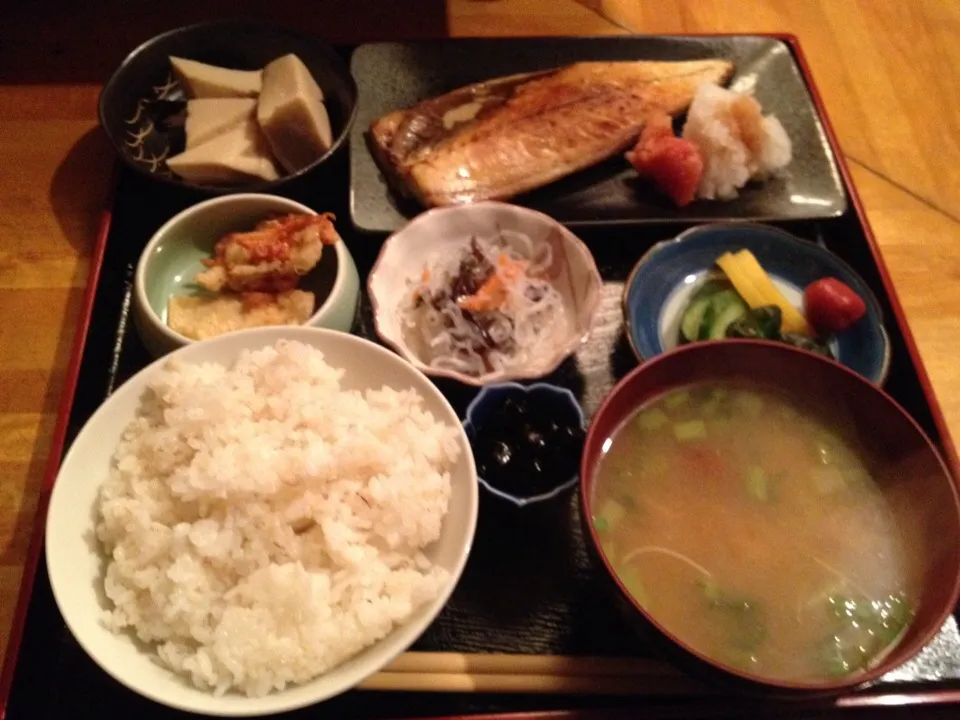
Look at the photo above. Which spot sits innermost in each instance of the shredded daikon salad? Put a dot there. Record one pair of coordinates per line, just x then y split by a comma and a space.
486, 308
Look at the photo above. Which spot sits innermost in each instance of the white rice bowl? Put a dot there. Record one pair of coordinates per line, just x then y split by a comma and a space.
254, 540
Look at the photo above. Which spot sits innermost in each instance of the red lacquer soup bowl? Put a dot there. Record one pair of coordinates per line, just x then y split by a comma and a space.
905, 466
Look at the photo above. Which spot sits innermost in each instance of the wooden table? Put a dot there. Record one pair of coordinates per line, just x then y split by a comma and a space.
889, 73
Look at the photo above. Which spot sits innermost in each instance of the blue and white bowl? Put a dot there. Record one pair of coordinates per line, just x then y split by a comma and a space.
666, 277
542, 395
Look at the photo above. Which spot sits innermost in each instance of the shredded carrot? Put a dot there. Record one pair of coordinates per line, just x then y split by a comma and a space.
493, 293
424, 277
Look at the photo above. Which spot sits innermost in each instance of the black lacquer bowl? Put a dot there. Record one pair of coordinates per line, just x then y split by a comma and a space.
142, 105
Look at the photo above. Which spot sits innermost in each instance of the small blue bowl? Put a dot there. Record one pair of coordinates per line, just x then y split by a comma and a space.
663, 281
540, 395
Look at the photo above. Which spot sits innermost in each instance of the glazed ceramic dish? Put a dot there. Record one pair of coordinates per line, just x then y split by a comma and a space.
906, 467
175, 253
392, 76
665, 279
553, 422
141, 106
75, 563
573, 273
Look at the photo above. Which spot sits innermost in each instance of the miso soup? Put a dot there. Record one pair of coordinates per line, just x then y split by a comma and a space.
751, 528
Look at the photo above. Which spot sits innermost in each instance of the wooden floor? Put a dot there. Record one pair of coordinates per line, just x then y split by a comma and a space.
889, 73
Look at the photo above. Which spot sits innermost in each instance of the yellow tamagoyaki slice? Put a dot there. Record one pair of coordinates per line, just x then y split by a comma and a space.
757, 289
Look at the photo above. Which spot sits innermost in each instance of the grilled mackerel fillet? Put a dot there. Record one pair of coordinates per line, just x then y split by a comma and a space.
503, 137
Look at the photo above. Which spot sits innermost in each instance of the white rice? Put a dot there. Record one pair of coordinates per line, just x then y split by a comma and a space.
729, 163
264, 525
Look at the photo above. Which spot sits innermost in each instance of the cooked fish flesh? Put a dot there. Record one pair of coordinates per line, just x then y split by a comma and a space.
503, 137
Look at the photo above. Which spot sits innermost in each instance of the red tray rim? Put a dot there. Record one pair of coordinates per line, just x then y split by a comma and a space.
28, 578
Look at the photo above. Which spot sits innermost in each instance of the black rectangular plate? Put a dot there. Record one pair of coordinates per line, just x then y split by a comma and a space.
391, 76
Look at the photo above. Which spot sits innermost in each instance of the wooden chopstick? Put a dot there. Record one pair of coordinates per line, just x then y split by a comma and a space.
511, 664
508, 673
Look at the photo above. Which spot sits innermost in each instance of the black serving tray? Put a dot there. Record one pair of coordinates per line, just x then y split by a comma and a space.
529, 586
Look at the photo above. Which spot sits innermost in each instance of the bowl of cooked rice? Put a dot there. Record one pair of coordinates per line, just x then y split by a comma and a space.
260, 521
484, 293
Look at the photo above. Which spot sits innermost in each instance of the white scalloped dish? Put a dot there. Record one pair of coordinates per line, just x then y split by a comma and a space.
484, 293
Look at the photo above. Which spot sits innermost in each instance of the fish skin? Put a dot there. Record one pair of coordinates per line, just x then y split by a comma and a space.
531, 129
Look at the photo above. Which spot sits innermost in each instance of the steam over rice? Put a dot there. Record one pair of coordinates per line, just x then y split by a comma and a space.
264, 525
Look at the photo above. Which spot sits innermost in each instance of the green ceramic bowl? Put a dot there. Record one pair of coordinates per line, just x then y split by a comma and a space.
174, 256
